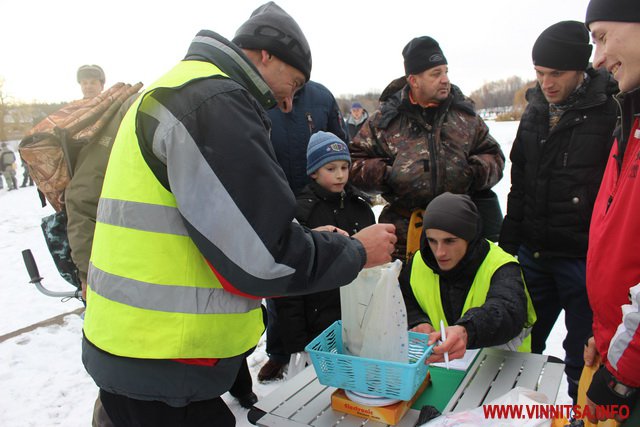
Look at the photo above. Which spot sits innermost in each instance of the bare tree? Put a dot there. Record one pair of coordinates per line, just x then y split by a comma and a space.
3, 111
498, 93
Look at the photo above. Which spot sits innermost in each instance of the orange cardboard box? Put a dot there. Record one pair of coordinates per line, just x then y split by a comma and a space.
391, 414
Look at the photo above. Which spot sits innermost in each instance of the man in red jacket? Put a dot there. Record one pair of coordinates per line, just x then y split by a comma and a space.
613, 259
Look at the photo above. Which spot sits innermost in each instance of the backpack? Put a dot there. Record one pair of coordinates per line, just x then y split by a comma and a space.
50, 150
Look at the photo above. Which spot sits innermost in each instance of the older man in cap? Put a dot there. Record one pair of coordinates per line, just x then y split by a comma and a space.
196, 224
424, 139
613, 260
91, 79
557, 162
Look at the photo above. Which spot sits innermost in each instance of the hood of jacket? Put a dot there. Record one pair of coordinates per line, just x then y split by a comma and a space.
352, 121
395, 100
212, 47
468, 265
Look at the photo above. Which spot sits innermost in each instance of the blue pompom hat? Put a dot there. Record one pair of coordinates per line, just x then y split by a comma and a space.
323, 148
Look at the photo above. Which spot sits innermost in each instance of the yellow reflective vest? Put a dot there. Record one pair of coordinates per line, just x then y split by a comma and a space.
151, 293
425, 284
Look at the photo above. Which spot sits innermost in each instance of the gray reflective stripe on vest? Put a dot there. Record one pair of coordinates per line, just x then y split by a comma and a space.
168, 298
515, 343
213, 213
243, 64
141, 216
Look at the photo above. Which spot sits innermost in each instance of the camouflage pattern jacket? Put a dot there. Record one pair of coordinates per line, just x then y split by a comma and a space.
411, 154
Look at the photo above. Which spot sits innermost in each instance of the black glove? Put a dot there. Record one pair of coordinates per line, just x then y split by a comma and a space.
427, 413
606, 390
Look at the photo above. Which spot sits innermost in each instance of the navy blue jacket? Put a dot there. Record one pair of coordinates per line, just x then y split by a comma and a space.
314, 109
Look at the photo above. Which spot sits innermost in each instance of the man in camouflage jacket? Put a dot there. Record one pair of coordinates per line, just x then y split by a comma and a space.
424, 139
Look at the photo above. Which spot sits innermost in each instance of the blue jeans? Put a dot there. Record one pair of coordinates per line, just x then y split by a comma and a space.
557, 284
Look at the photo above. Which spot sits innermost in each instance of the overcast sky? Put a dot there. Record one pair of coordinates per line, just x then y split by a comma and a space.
356, 46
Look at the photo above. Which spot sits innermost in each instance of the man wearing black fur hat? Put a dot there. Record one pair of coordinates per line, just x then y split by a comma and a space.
196, 224
558, 158
613, 260
424, 139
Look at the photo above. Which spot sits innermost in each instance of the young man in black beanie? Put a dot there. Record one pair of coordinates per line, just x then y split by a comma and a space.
613, 260
557, 162
196, 225
467, 282
424, 139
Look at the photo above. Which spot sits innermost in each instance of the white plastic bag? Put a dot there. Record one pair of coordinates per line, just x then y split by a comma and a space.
518, 396
374, 316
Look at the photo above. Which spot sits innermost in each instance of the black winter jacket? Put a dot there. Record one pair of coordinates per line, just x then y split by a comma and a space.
555, 175
302, 318
497, 321
314, 109
207, 142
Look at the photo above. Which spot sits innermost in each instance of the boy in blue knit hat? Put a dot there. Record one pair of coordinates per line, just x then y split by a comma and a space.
328, 203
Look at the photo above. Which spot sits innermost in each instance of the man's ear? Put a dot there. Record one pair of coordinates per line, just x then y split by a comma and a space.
411, 79
265, 56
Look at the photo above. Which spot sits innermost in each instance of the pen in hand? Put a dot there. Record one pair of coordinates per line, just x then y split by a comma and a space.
443, 337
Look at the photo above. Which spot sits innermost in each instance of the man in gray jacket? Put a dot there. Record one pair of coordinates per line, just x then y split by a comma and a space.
196, 224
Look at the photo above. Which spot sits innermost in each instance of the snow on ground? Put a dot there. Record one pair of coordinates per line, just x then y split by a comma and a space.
43, 382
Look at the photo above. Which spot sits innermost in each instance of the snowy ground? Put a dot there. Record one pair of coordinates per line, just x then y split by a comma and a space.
43, 382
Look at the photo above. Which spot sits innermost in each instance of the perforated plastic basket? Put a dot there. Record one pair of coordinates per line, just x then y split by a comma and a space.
370, 376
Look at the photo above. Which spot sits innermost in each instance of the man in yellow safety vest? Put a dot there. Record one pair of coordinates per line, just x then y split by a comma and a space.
196, 224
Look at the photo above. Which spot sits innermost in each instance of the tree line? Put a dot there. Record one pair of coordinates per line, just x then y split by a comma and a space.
505, 97
17, 118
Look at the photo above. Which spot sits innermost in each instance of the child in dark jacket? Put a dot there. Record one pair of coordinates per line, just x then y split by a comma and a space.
327, 201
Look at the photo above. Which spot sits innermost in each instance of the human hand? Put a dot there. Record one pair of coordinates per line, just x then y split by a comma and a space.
331, 229
455, 345
590, 352
379, 243
423, 328
604, 391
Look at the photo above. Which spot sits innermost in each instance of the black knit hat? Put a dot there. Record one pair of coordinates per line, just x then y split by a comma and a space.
453, 213
422, 53
274, 30
563, 46
90, 72
612, 10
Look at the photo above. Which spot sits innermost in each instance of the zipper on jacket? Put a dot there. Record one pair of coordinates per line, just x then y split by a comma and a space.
615, 98
312, 127
564, 159
609, 203
342, 194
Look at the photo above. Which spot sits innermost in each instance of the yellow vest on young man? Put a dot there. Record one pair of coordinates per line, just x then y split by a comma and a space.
425, 284
151, 293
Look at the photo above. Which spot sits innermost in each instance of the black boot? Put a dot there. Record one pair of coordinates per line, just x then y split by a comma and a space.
242, 387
